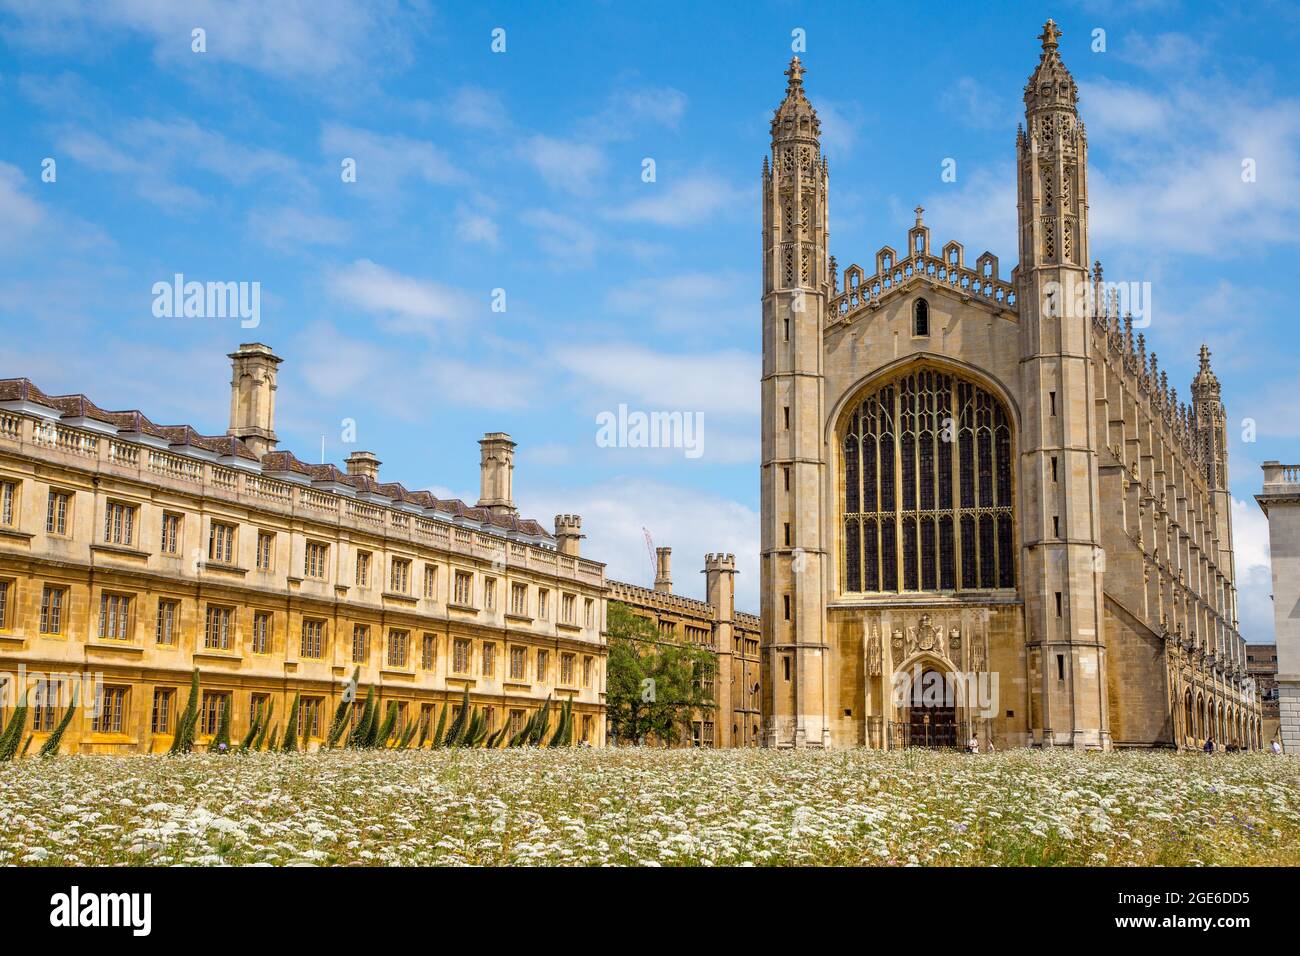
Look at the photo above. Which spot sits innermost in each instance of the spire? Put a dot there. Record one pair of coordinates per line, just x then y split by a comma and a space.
1206, 384
795, 118
1051, 84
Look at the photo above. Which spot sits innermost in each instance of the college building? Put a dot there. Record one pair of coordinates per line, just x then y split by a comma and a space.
132, 553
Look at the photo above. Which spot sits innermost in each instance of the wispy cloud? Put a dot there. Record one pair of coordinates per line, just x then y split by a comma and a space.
299, 39
388, 163
680, 201
402, 303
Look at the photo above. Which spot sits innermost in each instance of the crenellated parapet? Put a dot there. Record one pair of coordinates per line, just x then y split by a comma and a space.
920, 267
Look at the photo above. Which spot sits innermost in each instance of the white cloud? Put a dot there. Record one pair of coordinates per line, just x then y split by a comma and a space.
288, 228
403, 303
304, 39
388, 164
691, 522
20, 213
476, 227
569, 165
977, 106
685, 301
683, 201
477, 108
979, 211
150, 153
1254, 571
723, 383
568, 242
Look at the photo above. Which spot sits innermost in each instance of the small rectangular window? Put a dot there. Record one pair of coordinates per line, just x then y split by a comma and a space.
265, 550
785, 666
168, 611
1058, 603
363, 569
786, 473
786, 411
1056, 525
1054, 468
8, 503
399, 643
787, 534
221, 543
786, 599
1051, 397
119, 524
56, 514
262, 632
1060, 667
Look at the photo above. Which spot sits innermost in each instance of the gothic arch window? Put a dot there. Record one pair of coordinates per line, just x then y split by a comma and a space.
927, 501
921, 317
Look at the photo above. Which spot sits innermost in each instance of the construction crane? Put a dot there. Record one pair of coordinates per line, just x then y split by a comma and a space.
650, 550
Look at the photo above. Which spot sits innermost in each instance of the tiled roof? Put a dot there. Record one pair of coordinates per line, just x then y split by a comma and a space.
135, 422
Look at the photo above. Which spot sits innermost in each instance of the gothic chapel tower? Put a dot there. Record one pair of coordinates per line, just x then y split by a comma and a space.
796, 289
1062, 561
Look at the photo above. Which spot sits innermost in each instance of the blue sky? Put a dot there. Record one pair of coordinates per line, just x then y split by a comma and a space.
522, 171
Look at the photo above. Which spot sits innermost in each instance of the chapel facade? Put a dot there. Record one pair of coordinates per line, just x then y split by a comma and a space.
985, 511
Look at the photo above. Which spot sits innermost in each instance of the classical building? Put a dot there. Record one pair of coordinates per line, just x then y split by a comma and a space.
985, 512
1261, 665
1280, 501
716, 625
131, 553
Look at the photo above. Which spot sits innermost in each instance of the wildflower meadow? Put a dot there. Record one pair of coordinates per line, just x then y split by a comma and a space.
650, 807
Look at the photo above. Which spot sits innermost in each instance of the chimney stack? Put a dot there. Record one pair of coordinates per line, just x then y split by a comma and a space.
252, 396
568, 534
664, 570
364, 463
496, 474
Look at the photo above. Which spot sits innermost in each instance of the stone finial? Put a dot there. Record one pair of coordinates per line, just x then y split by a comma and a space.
795, 73
1050, 36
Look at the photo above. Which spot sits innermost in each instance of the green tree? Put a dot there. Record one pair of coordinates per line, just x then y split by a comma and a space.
340, 721
221, 737
51, 746
183, 740
653, 687
13, 733
290, 742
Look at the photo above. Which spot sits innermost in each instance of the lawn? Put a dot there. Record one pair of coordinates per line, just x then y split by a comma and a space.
652, 807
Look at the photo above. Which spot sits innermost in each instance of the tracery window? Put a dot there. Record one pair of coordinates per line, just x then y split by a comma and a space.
928, 488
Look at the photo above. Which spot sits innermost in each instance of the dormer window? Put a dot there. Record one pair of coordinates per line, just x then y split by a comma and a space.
921, 318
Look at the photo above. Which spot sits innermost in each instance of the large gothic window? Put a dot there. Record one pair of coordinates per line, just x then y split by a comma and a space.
928, 488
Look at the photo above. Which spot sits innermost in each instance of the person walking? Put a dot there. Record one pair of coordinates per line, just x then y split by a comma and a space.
973, 745
1209, 745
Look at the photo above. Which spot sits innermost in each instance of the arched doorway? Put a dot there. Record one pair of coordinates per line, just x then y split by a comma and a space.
932, 711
